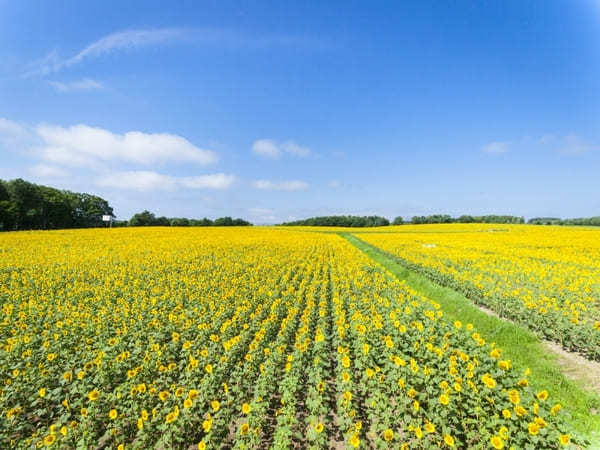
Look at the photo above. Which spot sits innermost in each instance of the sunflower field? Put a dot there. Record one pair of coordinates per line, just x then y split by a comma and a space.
247, 338
546, 278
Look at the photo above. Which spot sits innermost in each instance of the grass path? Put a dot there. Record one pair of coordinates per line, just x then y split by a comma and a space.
518, 344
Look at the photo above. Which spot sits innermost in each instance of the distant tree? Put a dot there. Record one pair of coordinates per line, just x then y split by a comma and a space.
223, 222
143, 219
7, 209
179, 222
398, 221
27, 200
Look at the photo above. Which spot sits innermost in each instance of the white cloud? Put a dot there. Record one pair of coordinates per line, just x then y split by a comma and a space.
575, 145
291, 185
214, 181
334, 184
140, 180
270, 148
294, 149
496, 147
570, 144
145, 181
266, 148
46, 171
82, 145
14, 135
263, 215
82, 85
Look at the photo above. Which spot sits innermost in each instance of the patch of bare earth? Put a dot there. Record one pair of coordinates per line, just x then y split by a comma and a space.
576, 367
572, 365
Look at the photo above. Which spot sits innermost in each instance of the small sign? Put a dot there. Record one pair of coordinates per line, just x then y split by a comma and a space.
106, 218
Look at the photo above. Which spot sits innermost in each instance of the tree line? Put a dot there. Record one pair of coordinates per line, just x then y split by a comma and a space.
30, 206
147, 219
580, 221
341, 221
445, 218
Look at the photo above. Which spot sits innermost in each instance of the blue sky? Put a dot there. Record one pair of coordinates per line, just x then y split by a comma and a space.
279, 110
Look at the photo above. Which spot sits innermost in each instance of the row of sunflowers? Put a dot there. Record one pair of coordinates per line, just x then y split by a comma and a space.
546, 278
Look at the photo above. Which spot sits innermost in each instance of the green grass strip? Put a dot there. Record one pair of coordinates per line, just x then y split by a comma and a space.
518, 344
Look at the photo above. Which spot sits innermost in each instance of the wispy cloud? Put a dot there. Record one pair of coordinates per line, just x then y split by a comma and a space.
269, 148
81, 85
146, 181
47, 171
263, 215
496, 147
575, 145
133, 39
291, 185
570, 144
120, 40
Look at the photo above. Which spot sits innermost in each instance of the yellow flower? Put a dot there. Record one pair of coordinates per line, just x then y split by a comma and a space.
171, 417
201, 445
163, 395
354, 441
245, 428
140, 423
215, 405
418, 432
503, 433
444, 399
542, 395
488, 381
246, 408
533, 428
429, 427
42, 392
506, 413
496, 442
93, 395
187, 403
49, 440
388, 434
555, 409
319, 427
193, 394
513, 396
348, 396
208, 368
564, 439
179, 392
504, 365
121, 447
520, 411
84, 412
113, 414
449, 440
207, 424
